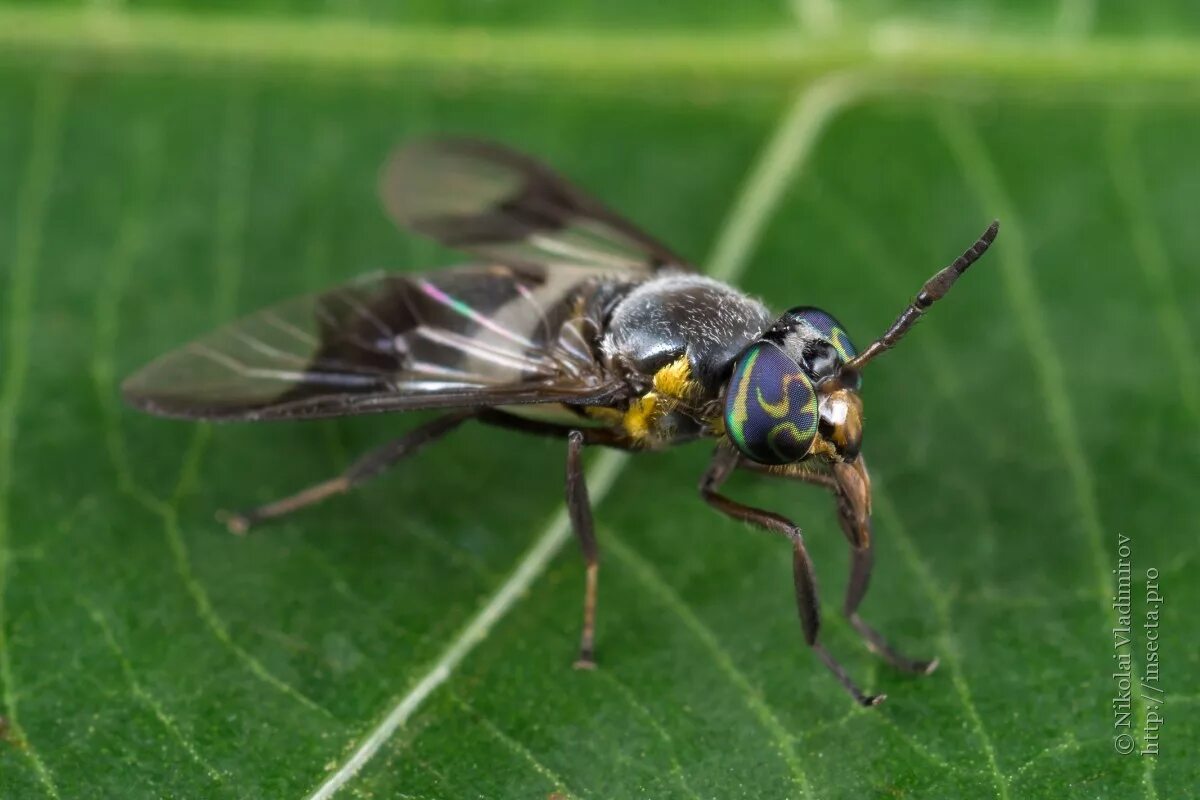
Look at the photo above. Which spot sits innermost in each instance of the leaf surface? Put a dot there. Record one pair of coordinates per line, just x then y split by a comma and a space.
415, 639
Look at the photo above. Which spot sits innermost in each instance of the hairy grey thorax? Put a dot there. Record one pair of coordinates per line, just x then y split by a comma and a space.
678, 314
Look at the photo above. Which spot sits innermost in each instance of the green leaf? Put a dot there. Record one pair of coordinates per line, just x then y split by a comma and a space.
169, 166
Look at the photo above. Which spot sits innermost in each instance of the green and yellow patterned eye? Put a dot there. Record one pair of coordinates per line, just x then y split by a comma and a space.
828, 327
770, 406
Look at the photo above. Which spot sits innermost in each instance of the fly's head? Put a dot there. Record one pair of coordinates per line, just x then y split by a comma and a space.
791, 397
794, 391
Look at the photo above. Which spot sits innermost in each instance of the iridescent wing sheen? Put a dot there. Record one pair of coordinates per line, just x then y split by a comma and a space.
484, 335
494, 202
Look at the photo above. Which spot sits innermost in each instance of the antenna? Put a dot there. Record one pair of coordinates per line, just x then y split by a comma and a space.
934, 289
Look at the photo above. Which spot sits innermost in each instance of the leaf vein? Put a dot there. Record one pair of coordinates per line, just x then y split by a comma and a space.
1068, 744
632, 699
130, 242
1129, 182
516, 747
231, 214
33, 199
721, 657
146, 697
982, 176
941, 605
1075, 17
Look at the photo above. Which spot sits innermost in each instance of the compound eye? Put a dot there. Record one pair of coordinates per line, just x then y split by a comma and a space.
829, 328
770, 406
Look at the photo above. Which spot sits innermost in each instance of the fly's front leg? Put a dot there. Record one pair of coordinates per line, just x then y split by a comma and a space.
853, 493
579, 508
361, 471
723, 463
851, 489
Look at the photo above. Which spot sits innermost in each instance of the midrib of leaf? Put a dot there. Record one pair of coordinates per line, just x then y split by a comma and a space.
894, 49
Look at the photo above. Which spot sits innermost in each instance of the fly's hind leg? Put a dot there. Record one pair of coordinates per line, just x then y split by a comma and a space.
364, 469
807, 602
579, 509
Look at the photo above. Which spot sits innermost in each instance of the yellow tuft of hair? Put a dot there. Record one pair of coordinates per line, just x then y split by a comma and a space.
675, 380
605, 414
640, 416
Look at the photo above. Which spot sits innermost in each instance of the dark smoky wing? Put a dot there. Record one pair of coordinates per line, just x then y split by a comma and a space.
486, 199
470, 336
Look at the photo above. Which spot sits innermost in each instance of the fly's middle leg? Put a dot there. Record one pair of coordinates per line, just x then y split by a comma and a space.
579, 509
